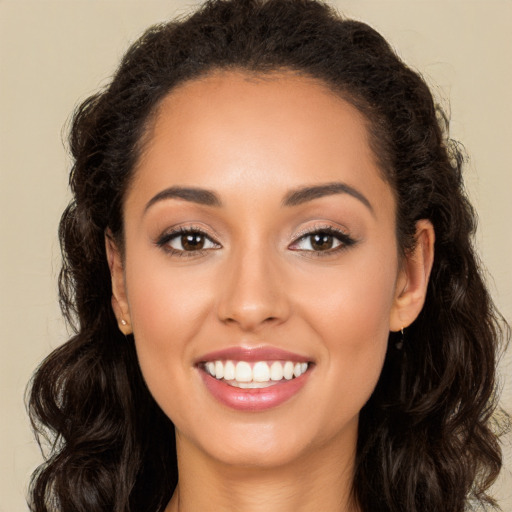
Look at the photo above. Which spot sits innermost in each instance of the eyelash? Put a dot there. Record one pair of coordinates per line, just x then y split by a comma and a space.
345, 240
166, 238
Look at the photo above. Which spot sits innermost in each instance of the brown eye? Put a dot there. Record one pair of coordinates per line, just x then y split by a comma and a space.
188, 242
192, 242
321, 241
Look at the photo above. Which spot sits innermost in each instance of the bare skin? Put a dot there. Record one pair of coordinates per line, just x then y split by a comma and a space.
296, 487
259, 278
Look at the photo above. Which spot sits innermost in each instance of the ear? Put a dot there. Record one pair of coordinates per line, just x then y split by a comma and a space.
412, 282
119, 299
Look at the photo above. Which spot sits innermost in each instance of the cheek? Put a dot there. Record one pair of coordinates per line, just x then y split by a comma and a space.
354, 298
167, 309
351, 316
166, 303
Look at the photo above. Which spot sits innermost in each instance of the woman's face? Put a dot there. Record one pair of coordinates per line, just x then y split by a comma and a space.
259, 231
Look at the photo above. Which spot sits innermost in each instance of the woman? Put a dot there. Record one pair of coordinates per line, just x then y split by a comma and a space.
268, 263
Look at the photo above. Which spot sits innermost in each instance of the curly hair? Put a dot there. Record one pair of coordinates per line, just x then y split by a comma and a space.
425, 440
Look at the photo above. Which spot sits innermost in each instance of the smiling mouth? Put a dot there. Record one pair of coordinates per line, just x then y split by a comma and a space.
254, 375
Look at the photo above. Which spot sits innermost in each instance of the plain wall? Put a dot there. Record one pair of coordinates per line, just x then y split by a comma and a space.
55, 53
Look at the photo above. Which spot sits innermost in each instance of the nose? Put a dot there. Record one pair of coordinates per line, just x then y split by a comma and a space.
253, 293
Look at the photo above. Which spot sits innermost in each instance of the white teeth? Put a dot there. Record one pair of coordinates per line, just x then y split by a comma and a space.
250, 385
229, 371
260, 374
276, 370
288, 370
219, 369
243, 372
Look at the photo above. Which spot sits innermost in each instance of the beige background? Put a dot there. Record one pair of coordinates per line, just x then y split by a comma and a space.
55, 53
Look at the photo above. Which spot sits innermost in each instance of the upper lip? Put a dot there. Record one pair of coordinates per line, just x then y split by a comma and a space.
253, 354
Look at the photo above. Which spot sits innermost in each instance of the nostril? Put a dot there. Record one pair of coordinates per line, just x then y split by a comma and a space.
248, 322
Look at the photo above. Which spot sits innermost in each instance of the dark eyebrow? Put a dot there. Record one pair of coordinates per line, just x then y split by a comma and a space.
192, 194
305, 194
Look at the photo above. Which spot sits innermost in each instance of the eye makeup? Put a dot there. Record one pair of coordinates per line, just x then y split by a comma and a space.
320, 240
187, 242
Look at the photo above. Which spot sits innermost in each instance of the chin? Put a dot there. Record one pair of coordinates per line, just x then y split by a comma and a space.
273, 444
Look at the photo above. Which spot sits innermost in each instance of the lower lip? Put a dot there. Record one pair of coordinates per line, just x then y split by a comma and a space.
257, 399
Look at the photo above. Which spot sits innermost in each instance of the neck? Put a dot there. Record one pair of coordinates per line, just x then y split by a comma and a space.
319, 481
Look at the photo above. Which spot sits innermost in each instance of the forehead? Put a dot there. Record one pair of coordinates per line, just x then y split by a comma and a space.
260, 103
277, 130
